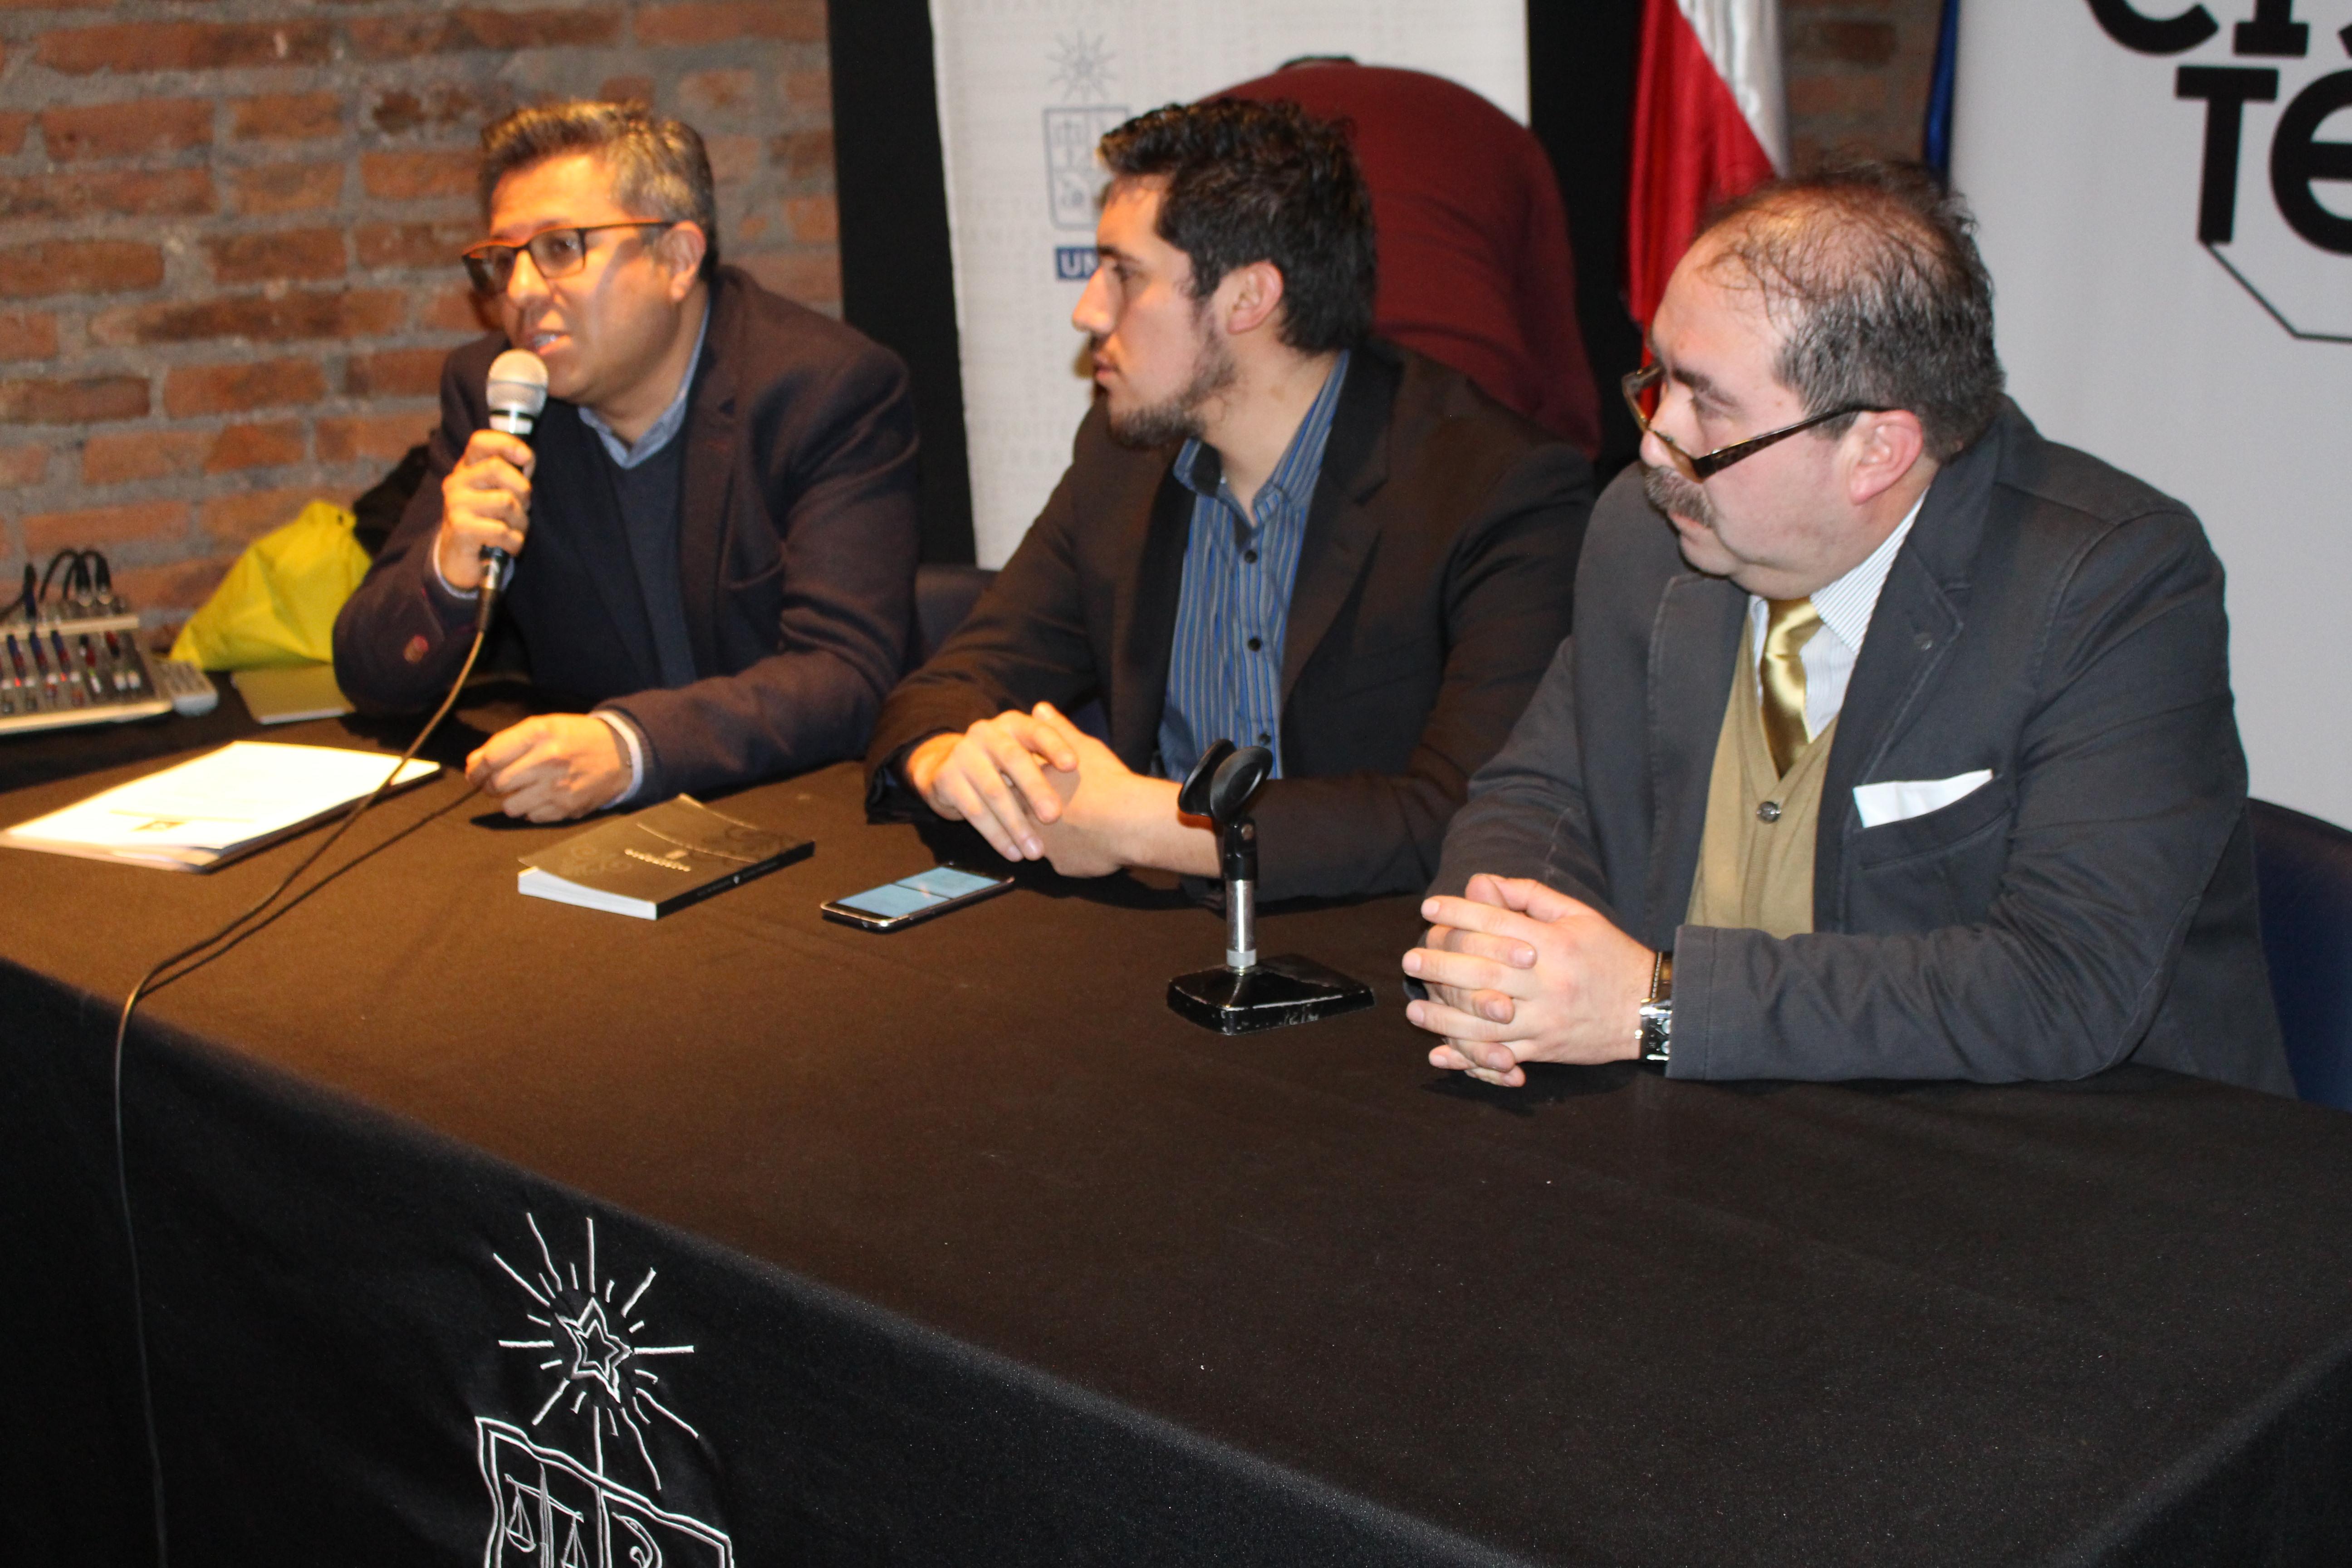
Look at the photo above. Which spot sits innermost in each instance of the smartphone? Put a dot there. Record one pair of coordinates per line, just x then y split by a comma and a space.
910, 900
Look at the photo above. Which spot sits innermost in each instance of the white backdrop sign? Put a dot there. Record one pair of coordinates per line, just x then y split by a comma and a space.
2166, 195
1027, 87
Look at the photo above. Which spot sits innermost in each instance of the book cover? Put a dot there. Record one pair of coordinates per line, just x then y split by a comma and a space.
660, 859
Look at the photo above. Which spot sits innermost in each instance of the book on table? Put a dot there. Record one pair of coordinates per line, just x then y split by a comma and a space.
653, 862
214, 808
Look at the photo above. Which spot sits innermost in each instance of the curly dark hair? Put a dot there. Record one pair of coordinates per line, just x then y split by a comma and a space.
1262, 182
1872, 271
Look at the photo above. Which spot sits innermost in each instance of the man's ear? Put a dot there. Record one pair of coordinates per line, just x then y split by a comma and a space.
1250, 295
681, 249
1884, 447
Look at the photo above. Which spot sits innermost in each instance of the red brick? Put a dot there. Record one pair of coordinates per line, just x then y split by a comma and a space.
21, 466
815, 219
626, 90
810, 92
457, 311
184, 46
806, 155
28, 336
733, 158
54, 5
13, 127
286, 117
810, 277
447, 32
79, 267
401, 110
121, 457
1853, 43
286, 187
242, 519
182, 587
133, 193
268, 445
80, 402
385, 437
259, 318
191, 390
268, 257
718, 92
130, 130
102, 525
394, 373
414, 244
723, 21
406, 176
1836, 95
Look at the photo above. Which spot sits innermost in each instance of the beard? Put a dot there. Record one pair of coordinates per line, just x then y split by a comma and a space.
1670, 492
1178, 418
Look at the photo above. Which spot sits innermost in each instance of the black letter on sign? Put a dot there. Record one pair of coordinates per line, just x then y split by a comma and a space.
2297, 159
2273, 31
2172, 36
2226, 89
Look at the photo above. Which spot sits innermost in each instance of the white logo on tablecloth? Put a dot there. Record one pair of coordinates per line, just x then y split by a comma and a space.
551, 1508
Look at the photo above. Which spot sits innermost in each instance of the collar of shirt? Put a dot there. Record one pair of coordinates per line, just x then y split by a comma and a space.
1845, 607
1291, 486
662, 431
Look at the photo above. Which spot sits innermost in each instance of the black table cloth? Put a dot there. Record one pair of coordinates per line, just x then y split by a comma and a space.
476, 1229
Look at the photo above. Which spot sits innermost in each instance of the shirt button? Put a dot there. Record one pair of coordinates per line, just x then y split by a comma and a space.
1263, 739
1255, 643
1250, 556
1768, 812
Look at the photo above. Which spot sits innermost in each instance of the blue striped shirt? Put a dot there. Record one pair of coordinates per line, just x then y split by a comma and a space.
1224, 672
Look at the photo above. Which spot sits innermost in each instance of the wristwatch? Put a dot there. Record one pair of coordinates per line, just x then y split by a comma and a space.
1654, 1044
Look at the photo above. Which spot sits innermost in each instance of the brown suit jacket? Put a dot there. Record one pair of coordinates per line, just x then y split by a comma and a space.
1436, 580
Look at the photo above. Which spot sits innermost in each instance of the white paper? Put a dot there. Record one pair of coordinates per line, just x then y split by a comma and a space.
1027, 86
190, 815
1903, 799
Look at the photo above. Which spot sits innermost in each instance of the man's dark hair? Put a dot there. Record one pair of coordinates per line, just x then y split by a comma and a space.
1262, 182
1872, 271
658, 165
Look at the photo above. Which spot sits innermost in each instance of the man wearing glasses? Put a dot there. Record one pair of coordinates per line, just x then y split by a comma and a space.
1894, 741
713, 524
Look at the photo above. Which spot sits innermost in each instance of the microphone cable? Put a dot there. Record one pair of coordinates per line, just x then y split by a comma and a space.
150, 980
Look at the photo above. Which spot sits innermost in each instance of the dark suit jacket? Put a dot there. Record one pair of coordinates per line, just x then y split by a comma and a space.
1434, 582
2049, 618
796, 550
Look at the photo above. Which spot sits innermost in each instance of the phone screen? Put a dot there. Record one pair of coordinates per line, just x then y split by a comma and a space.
925, 889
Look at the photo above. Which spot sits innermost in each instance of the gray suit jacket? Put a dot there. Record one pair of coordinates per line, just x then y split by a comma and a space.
2049, 618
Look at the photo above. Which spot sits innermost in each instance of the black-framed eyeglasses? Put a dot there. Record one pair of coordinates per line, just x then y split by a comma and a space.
1642, 388
556, 252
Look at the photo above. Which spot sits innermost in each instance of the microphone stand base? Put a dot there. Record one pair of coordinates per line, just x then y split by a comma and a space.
1278, 993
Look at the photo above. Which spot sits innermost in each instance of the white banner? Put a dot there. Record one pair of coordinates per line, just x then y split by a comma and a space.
1027, 87
2166, 195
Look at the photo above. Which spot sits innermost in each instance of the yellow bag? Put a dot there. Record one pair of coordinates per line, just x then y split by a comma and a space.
278, 605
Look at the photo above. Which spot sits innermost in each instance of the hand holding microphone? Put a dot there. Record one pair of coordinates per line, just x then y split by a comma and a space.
486, 500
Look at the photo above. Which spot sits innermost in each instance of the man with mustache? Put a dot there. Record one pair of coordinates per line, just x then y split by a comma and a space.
1895, 741
1275, 529
713, 524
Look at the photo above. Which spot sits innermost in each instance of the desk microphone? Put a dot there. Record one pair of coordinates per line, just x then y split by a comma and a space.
518, 391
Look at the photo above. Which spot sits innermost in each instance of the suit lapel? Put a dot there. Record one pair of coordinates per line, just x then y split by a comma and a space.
1693, 644
705, 487
1912, 631
1341, 524
1146, 620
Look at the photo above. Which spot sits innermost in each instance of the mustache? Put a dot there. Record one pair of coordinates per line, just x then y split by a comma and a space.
1671, 492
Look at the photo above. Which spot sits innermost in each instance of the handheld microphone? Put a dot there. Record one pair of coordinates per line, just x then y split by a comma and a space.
517, 392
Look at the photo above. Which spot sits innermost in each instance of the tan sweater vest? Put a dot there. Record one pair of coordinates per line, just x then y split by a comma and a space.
1755, 856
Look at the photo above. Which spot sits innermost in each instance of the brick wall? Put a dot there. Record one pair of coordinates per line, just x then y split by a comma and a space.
1857, 76
228, 230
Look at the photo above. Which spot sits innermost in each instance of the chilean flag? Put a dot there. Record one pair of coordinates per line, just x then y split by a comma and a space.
1709, 121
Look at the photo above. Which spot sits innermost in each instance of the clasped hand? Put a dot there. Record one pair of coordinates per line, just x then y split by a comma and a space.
1520, 972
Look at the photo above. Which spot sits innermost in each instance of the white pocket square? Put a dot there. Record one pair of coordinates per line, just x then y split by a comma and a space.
1903, 799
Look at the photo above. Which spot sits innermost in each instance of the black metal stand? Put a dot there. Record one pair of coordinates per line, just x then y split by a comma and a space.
1247, 995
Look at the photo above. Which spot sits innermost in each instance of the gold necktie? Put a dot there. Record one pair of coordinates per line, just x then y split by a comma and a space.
1787, 625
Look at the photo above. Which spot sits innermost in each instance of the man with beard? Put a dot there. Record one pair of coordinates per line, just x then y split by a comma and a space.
1895, 741
1275, 529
